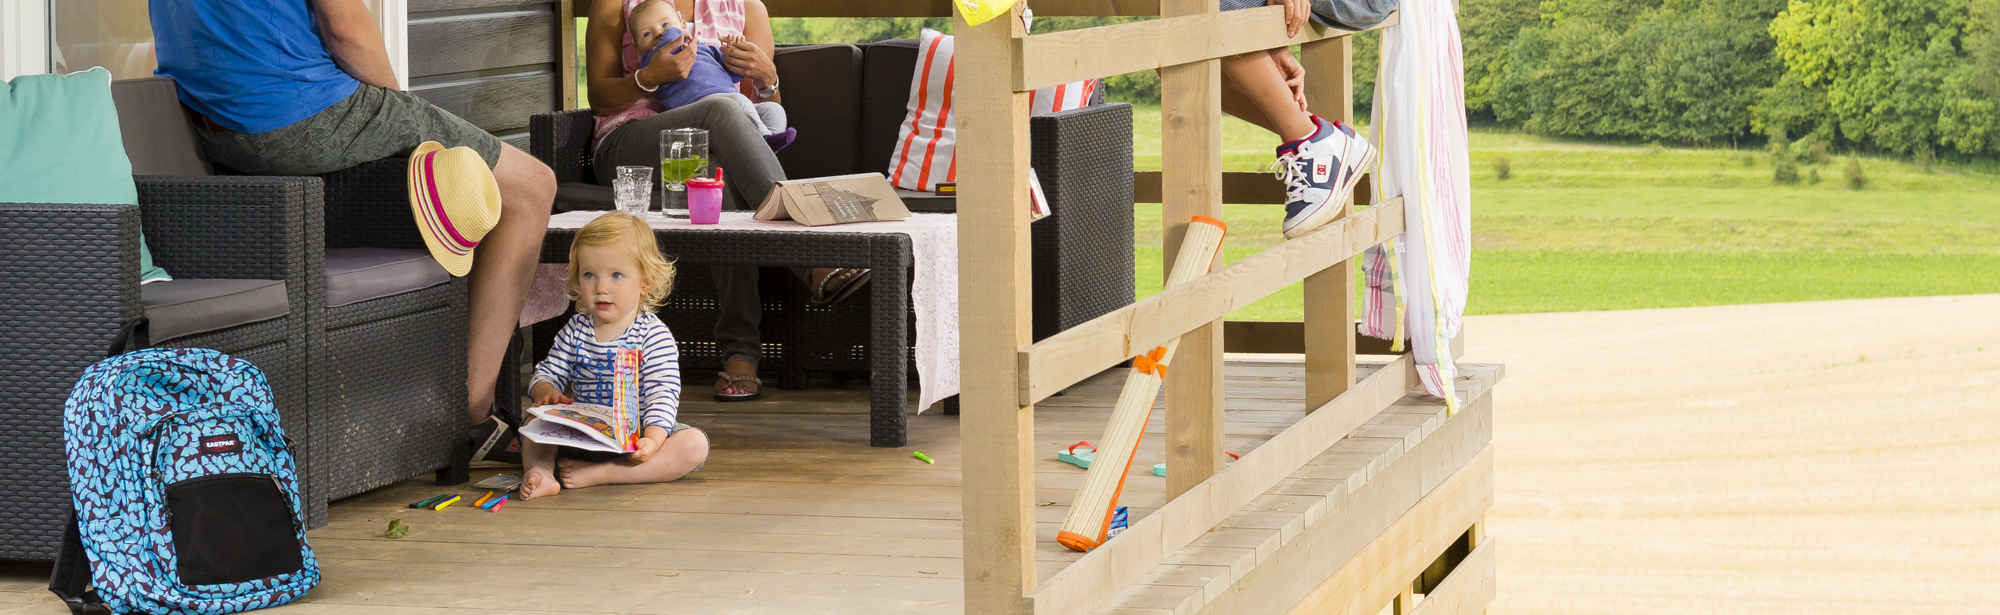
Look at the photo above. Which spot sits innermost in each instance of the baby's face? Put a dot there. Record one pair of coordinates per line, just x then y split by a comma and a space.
650, 21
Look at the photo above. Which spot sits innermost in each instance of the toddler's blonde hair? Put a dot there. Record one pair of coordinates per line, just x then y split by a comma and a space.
616, 228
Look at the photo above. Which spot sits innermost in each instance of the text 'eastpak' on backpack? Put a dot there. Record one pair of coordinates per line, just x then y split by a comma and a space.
184, 487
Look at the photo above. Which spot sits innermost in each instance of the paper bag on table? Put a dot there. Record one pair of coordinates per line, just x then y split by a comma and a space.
840, 199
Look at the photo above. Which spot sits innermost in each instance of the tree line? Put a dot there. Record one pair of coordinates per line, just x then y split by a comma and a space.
1917, 77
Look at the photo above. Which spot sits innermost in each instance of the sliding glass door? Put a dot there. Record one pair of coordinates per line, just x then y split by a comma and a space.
114, 34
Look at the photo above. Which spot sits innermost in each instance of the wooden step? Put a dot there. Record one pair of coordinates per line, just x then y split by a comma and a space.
1271, 554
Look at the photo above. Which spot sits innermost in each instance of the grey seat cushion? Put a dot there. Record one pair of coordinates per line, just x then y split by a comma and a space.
354, 275
180, 308
828, 79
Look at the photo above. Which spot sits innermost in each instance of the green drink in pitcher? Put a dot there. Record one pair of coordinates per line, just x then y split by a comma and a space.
683, 156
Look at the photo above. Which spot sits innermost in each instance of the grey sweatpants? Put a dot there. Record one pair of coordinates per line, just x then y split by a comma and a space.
735, 143
768, 116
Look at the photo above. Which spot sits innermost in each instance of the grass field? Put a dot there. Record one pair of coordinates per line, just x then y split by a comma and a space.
1592, 226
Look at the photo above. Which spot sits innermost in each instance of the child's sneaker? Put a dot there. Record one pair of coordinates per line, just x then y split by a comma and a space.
1319, 173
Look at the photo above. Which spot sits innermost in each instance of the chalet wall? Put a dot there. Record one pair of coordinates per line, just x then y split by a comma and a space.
492, 62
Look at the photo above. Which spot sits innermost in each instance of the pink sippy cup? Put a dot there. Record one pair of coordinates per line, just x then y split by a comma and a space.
705, 199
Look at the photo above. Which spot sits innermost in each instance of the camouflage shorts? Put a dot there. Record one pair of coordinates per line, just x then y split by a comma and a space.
371, 124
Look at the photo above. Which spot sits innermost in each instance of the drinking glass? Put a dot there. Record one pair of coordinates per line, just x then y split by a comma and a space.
633, 189
683, 156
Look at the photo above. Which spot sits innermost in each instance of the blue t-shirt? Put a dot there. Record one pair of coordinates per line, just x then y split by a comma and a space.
708, 77
252, 66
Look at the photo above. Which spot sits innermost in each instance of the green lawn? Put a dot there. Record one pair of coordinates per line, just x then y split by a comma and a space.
1592, 226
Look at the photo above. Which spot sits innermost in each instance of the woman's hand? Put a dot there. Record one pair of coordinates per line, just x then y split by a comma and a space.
749, 60
1296, 12
668, 68
649, 444
544, 394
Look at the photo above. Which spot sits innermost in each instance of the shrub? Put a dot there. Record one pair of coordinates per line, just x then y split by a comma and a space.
1813, 178
1747, 159
1785, 169
1856, 180
1818, 152
1502, 168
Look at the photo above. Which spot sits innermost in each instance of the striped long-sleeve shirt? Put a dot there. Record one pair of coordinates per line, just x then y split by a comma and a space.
579, 363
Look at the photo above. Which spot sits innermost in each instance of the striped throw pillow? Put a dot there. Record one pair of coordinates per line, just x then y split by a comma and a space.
926, 152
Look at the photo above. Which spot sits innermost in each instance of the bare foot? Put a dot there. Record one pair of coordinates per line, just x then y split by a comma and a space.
739, 369
577, 474
538, 482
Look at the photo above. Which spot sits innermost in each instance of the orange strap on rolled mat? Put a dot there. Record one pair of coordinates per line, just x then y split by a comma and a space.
1097, 499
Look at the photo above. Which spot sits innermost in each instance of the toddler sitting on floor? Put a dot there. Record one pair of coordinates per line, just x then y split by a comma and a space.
657, 27
617, 276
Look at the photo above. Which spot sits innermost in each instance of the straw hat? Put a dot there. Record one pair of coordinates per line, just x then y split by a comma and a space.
455, 200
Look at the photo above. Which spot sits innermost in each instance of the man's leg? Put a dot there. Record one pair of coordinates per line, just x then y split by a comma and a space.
1257, 93
502, 271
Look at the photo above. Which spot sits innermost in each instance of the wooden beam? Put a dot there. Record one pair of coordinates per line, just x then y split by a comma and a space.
1191, 154
1097, 8
859, 8
1384, 568
1103, 571
996, 432
1467, 590
1245, 187
1067, 358
1089, 53
1289, 337
1329, 294
566, 50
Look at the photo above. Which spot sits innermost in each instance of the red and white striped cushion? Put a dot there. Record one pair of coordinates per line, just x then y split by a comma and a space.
925, 153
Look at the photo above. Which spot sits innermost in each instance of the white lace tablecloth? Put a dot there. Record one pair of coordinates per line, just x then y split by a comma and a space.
933, 285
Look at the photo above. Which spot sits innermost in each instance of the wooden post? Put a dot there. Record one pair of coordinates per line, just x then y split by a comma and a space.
1191, 166
1329, 294
566, 60
996, 431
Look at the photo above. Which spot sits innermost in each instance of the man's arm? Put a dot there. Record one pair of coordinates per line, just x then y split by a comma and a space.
349, 33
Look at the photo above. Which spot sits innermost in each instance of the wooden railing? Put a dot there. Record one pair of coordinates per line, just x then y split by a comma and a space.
1004, 375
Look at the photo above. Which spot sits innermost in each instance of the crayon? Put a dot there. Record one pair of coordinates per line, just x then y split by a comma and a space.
920, 456
495, 504
440, 506
502, 502
482, 499
429, 501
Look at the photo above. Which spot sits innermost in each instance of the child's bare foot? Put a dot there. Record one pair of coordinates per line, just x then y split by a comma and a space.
577, 474
538, 482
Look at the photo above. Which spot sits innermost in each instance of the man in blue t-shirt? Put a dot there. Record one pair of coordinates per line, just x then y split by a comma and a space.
304, 87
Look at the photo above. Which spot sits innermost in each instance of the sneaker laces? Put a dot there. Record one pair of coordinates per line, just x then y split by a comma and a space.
1289, 173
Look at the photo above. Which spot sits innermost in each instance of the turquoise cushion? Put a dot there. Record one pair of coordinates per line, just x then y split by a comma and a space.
59, 143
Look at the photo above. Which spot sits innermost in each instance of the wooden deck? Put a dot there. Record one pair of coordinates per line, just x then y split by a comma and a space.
794, 513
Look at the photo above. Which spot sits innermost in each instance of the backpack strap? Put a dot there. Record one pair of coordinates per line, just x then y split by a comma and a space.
71, 579
133, 336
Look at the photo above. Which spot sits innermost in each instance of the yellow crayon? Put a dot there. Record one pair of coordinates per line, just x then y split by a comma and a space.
445, 503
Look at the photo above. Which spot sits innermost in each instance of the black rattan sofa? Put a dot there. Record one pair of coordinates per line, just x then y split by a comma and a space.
847, 102
241, 249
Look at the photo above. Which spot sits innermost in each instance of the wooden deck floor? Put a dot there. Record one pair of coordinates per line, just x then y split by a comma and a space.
794, 513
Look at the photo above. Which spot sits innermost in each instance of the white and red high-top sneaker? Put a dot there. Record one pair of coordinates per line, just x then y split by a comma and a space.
1319, 173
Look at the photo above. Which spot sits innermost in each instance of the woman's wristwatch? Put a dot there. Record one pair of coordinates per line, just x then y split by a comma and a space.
768, 91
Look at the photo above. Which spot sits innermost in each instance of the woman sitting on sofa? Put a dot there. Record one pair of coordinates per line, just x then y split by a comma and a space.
629, 121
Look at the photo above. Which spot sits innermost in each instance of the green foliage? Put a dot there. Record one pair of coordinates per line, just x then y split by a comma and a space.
813, 30
1893, 74
397, 529
1502, 168
1686, 72
1784, 167
1856, 178
1486, 27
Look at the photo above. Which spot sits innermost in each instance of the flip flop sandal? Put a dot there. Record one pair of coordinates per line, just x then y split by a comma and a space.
854, 283
1160, 469
1081, 460
752, 396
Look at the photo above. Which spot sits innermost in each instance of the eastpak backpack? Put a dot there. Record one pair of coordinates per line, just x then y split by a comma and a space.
185, 493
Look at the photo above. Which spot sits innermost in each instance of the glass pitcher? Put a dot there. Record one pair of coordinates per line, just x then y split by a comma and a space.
683, 156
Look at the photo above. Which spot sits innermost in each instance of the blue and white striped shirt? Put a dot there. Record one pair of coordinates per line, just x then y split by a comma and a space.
579, 363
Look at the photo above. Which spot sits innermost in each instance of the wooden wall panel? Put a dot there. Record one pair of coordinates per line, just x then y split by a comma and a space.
456, 43
494, 104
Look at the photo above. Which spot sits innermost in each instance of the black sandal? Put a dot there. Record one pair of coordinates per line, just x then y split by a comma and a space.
854, 280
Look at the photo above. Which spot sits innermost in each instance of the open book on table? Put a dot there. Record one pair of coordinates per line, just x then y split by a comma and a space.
589, 427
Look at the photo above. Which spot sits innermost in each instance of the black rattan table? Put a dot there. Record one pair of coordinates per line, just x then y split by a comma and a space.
887, 254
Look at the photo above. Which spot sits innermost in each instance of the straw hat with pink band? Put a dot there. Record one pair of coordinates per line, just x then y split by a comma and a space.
455, 200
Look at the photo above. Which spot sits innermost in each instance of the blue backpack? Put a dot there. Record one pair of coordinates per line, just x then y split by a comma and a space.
184, 487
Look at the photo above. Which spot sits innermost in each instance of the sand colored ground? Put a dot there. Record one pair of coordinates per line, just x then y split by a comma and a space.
1834, 457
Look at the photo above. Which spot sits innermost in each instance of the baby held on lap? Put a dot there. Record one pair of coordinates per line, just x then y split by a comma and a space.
658, 28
